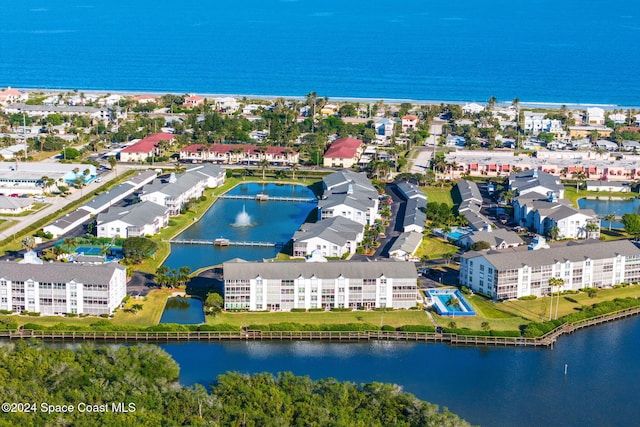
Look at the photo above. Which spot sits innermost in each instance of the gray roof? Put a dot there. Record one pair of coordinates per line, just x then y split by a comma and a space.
337, 229
533, 178
410, 191
407, 242
345, 176
105, 198
14, 202
70, 218
352, 200
600, 183
58, 272
137, 215
495, 237
175, 189
414, 213
515, 258
321, 270
563, 212
207, 169
141, 177
468, 190
476, 220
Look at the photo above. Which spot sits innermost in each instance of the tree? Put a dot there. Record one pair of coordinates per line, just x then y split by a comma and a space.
70, 153
28, 243
113, 162
263, 165
553, 283
631, 222
214, 302
452, 325
183, 275
480, 246
162, 276
579, 176
485, 326
610, 217
554, 232
138, 248
135, 308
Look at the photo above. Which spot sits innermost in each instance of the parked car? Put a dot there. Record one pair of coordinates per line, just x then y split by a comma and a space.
15, 195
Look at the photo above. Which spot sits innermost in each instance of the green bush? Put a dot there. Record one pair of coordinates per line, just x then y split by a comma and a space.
388, 328
6, 312
528, 298
298, 310
222, 327
33, 327
71, 315
514, 334
336, 309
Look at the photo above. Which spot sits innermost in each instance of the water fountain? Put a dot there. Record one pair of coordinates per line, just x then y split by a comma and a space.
242, 219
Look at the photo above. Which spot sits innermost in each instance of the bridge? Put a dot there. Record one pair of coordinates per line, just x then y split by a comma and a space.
264, 198
225, 242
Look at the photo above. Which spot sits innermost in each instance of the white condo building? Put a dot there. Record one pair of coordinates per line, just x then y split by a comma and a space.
282, 286
515, 273
60, 288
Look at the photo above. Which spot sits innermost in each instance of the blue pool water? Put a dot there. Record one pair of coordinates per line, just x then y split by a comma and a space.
455, 235
441, 298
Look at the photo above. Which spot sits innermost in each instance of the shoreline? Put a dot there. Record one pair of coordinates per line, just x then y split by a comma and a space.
417, 101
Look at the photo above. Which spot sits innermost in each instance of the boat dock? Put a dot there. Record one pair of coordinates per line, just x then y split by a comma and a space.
266, 198
225, 242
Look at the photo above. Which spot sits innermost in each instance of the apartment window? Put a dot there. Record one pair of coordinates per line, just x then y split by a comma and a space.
481, 267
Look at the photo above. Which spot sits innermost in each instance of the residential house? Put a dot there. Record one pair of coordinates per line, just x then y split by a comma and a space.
15, 205
406, 245
226, 104
630, 146
409, 122
384, 128
415, 216
283, 286
239, 154
410, 191
515, 273
331, 237
535, 181
595, 116
146, 99
343, 153
472, 108
137, 220
102, 114
603, 144
147, 147
497, 239
61, 288
10, 95
351, 195
329, 110
193, 101
577, 132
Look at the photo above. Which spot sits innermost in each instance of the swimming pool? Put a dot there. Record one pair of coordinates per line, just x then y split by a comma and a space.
440, 299
455, 235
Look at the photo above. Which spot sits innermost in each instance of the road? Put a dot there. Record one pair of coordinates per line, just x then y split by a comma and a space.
56, 203
422, 162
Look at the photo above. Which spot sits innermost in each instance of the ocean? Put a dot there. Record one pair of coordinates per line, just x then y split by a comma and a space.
539, 51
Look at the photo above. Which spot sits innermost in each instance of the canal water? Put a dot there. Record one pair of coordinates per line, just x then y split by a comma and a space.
604, 206
486, 386
183, 310
271, 221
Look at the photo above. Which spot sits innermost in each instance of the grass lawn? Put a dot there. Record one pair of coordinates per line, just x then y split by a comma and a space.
614, 234
379, 318
539, 308
434, 247
438, 194
572, 194
152, 308
475, 322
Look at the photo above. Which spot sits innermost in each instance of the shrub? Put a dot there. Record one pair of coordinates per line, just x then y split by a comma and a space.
341, 309
71, 315
6, 312
388, 328
515, 334
298, 310
527, 298
33, 327
417, 328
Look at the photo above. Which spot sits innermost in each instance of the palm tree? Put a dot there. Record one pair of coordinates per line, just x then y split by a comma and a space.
554, 232
592, 227
294, 168
183, 274
491, 103
263, 165
28, 243
579, 176
610, 217
554, 282
485, 325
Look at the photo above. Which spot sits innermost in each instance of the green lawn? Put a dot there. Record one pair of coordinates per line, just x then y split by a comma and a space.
438, 194
434, 247
378, 318
152, 308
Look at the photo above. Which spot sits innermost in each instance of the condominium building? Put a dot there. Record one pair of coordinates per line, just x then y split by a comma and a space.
515, 273
60, 288
282, 286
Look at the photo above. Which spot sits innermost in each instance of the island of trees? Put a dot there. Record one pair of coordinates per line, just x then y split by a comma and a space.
81, 386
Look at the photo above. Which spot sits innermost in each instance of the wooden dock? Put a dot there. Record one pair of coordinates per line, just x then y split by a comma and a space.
225, 242
333, 336
265, 197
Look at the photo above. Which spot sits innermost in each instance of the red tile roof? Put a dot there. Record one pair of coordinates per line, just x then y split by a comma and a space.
410, 117
147, 144
343, 148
